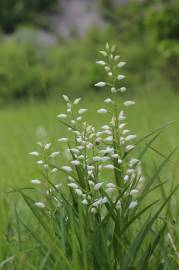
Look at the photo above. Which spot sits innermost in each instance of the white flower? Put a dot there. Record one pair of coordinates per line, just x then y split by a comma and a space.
126, 177
40, 144
121, 126
110, 190
98, 186
66, 98
40, 162
81, 157
120, 77
121, 116
45, 166
119, 161
102, 63
125, 131
133, 161
80, 147
67, 168
97, 202
73, 185
108, 166
113, 48
100, 84
103, 53
71, 178
108, 150
110, 74
62, 116
99, 133
102, 110
36, 182
122, 89
54, 154
108, 100
34, 153
104, 200
89, 145
134, 191
91, 183
113, 90
130, 171
116, 57
63, 139
40, 204
97, 159
107, 46
74, 150
103, 159
84, 202
79, 118
93, 210
114, 155
133, 204
47, 146
105, 127
75, 162
122, 140
81, 111
121, 64
118, 204
78, 192
76, 101
107, 68
54, 170
110, 185
73, 122
129, 103
129, 147
130, 137
58, 186
108, 132
108, 139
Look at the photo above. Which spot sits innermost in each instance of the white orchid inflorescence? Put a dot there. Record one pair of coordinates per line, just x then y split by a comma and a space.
96, 156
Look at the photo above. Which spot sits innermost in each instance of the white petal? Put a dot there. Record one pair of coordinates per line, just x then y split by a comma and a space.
133, 204
100, 62
120, 77
54, 154
129, 103
40, 204
100, 84
62, 116
102, 110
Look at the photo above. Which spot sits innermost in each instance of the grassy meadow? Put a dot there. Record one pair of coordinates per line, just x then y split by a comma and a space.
22, 125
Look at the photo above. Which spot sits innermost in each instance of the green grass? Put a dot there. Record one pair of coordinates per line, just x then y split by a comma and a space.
18, 136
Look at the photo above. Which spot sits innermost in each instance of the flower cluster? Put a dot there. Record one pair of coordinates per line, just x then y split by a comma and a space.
96, 155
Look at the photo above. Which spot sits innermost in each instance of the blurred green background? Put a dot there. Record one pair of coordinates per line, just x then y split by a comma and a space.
50, 46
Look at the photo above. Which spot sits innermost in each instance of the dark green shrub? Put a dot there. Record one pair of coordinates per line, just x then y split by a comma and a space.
163, 23
14, 12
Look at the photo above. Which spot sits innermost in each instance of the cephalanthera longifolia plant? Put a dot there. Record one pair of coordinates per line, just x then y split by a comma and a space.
96, 216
